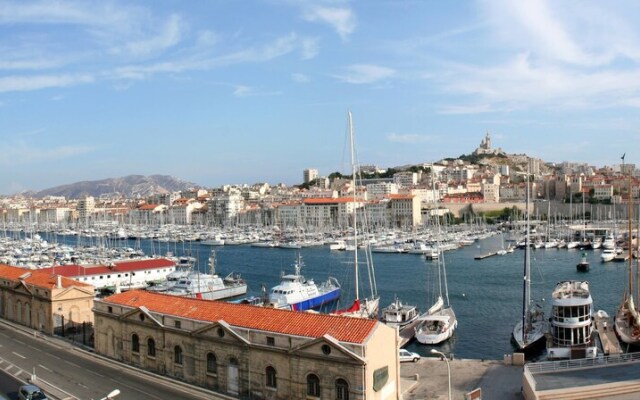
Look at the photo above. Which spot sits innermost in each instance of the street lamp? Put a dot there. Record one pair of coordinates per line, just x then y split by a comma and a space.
444, 357
111, 395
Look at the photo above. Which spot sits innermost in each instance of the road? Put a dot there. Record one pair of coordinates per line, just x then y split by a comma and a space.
8, 384
77, 374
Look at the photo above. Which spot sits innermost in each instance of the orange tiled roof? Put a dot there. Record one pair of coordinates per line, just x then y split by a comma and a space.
344, 329
38, 277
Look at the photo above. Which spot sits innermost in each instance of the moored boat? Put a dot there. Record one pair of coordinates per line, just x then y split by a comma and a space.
583, 265
299, 294
398, 314
571, 322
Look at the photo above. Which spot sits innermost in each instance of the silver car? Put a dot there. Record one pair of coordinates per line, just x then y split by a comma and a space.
406, 355
31, 392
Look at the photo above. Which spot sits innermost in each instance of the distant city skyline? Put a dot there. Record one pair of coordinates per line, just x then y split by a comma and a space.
242, 92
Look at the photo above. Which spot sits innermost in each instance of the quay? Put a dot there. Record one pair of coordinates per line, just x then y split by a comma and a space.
486, 255
621, 257
604, 327
406, 333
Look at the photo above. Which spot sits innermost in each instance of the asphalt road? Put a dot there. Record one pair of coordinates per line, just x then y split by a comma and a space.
77, 375
8, 383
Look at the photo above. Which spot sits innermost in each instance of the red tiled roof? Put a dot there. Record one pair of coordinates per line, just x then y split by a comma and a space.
148, 207
344, 329
121, 266
39, 277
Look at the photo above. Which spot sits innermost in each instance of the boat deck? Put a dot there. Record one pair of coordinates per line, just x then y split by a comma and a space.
610, 343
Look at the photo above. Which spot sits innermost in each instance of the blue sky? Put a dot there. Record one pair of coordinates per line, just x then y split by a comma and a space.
225, 91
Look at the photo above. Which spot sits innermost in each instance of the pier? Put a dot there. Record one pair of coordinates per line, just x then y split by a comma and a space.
406, 333
486, 255
604, 327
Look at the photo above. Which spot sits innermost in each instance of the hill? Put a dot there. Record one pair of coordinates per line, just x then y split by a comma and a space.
128, 186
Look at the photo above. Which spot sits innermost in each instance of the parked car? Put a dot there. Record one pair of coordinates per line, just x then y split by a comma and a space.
406, 355
31, 392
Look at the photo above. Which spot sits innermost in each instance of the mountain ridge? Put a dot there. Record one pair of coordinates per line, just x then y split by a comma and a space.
128, 186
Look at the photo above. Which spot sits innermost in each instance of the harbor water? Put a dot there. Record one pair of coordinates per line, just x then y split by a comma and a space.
485, 294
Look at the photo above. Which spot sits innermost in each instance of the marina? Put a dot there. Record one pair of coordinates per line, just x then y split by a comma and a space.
487, 296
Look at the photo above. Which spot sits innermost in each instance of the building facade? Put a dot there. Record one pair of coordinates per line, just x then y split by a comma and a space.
246, 351
41, 300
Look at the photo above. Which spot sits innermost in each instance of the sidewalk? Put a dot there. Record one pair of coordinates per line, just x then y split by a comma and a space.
494, 378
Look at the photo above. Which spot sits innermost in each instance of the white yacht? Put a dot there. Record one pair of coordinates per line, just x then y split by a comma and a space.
208, 286
571, 322
608, 254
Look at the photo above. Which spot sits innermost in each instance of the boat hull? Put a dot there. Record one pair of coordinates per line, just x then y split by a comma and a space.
318, 301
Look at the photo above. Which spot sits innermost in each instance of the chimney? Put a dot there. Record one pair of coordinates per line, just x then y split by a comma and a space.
59, 281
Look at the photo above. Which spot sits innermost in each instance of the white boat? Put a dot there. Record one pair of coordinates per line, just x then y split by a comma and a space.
608, 255
439, 323
398, 314
530, 329
208, 286
299, 294
571, 321
609, 242
337, 245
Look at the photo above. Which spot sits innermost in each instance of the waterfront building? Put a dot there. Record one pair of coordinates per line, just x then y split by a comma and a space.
224, 207
42, 300
180, 212
119, 275
54, 215
247, 351
86, 208
149, 214
602, 192
404, 210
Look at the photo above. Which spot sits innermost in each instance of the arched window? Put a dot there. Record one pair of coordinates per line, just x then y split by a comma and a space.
151, 347
313, 385
342, 389
177, 355
212, 364
135, 343
270, 375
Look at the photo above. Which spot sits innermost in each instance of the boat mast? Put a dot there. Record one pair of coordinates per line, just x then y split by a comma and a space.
526, 281
355, 213
630, 252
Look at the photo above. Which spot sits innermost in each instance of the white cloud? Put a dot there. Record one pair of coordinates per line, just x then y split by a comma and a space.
343, 20
365, 73
310, 48
21, 152
168, 37
299, 78
28, 83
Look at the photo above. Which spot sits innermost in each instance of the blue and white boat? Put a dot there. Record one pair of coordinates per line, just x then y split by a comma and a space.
298, 294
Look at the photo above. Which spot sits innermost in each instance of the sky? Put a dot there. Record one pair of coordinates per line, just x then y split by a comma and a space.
233, 92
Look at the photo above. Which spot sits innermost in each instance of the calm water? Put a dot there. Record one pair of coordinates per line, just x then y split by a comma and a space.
485, 294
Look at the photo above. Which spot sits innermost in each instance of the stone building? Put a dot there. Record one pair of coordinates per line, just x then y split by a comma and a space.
247, 351
41, 300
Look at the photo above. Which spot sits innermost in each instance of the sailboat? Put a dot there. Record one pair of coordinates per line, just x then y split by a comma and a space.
367, 307
532, 327
439, 322
627, 321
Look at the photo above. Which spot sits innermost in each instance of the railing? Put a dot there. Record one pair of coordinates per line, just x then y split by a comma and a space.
550, 366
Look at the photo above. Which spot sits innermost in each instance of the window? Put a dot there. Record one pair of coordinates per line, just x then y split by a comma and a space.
141, 317
342, 389
110, 309
220, 332
151, 347
313, 385
271, 377
135, 343
177, 355
271, 341
326, 350
177, 324
212, 364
